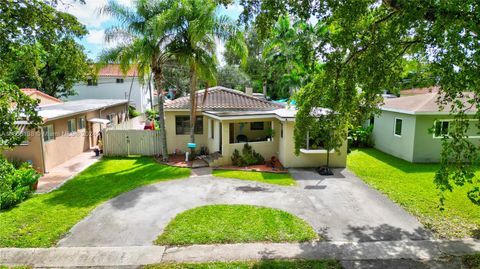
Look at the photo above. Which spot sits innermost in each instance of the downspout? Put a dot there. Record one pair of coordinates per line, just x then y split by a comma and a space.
42, 147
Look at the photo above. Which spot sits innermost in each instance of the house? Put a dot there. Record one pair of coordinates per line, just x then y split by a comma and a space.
412, 127
44, 98
68, 129
111, 83
227, 119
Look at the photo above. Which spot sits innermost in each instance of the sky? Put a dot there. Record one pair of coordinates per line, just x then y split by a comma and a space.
94, 42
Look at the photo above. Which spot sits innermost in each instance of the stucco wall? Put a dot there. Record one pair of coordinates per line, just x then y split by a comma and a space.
213, 143
385, 140
31, 152
65, 146
288, 158
426, 147
108, 88
180, 142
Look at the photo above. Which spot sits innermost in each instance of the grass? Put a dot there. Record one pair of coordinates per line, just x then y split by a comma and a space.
43, 219
471, 261
411, 185
297, 264
283, 179
234, 224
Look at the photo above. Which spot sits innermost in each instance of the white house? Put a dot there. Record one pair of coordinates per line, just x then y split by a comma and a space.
113, 84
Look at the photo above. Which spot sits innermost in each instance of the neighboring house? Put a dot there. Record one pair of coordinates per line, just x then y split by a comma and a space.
412, 127
111, 83
44, 98
228, 118
68, 129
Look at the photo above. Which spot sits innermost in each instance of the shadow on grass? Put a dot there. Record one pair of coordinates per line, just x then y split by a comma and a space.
111, 177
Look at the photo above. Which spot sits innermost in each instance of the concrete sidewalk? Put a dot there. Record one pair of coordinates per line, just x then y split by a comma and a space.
60, 174
384, 251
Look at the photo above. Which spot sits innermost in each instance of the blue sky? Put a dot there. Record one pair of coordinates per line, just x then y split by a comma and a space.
96, 24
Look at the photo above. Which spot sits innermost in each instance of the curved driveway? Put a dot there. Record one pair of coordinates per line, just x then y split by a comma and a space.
341, 208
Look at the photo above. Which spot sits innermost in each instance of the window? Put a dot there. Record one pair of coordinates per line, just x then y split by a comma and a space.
212, 129
72, 125
182, 125
281, 130
441, 128
398, 127
26, 140
256, 126
82, 123
120, 80
110, 117
92, 82
48, 133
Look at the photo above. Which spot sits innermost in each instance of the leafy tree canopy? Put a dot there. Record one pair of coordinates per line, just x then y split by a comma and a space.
365, 46
15, 106
233, 77
38, 48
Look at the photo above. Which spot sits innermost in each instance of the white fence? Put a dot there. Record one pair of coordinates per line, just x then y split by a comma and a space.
132, 142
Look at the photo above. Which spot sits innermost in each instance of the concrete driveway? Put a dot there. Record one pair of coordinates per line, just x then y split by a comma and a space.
341, 208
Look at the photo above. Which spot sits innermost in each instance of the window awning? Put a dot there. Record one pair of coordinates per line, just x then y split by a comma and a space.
98, 120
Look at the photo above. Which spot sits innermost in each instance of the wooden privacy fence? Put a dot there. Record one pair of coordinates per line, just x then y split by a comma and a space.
131, 142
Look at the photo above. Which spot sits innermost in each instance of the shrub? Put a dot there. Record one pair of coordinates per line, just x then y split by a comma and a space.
15, 184
151, 114
132, 112
249, 157
361, 137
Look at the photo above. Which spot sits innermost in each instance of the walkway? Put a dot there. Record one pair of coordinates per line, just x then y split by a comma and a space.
65, 171
339, 208
413, 254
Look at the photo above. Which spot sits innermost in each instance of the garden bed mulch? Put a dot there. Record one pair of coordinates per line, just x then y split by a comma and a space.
255, 168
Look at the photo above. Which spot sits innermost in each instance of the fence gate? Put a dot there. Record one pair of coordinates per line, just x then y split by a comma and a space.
131, 142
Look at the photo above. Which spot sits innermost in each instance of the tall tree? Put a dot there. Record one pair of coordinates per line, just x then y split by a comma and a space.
364, 49
143, 45
194, 25
290, 54
38, 48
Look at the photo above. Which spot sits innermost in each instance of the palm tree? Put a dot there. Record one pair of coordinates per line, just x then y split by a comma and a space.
141, 46
195, 25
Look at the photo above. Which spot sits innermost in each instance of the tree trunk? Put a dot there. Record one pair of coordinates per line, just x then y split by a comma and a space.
158, 77
193, 108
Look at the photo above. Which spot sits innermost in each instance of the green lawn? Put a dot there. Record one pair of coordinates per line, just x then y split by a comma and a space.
234, 224
411, 185
471, 261
325, 264
283, 179
42, 220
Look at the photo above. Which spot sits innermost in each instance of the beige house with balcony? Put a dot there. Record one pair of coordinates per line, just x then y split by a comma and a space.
227, 119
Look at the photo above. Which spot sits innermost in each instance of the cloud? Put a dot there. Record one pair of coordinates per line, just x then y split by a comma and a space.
96, 37
87, 13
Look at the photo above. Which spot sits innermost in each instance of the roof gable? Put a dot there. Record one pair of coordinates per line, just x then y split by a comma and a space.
44, 98
224, 99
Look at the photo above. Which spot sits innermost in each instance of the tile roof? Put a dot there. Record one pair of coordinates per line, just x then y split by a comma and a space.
221, 98
422, 104
35, 92
113, 70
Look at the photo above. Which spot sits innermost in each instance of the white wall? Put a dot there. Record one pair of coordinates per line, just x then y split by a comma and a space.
108, 88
